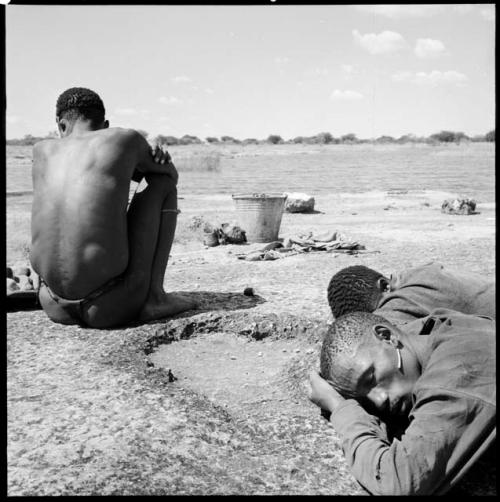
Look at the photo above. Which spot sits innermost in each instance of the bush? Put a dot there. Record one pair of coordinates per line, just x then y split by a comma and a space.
407, 138
166, 140
349, 138
250, 141
385, 139
324, 138
490, 136
211, 139
274, 139
189, 140
30, 140
443, 136
449, 137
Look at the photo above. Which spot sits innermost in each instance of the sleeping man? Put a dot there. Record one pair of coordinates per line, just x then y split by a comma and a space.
411, 293
101, 265
437, 373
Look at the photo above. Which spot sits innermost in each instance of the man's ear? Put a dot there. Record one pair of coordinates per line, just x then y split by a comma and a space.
383, 284
382, 332
62, 126
386, 334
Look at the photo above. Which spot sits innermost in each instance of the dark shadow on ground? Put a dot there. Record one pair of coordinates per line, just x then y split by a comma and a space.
209, 301
313, 211
22, 300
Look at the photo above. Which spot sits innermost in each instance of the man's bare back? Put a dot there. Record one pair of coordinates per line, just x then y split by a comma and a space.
101, 265
79, 221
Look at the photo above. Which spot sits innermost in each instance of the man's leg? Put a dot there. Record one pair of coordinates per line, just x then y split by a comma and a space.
150, 235
158, 303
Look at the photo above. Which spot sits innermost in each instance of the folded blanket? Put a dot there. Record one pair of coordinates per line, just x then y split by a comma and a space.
331, 242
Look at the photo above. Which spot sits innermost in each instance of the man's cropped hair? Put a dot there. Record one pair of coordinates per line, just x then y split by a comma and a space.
80, 102
352, 289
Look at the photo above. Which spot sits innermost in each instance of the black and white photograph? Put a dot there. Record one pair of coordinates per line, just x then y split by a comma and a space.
250, 249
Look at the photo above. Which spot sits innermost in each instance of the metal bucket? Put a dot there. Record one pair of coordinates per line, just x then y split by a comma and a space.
259, 214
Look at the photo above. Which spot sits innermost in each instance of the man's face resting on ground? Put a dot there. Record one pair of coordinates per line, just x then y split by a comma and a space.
380, 372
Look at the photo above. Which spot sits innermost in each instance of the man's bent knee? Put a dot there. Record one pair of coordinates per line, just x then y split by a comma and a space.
162, 182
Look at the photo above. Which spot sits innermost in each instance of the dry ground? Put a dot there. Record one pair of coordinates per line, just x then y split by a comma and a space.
96, 412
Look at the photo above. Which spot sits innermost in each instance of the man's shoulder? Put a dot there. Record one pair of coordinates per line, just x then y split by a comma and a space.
44, 145
117, 134
121, 137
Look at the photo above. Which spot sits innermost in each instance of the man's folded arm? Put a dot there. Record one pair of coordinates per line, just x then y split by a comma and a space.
437, 444
145, 161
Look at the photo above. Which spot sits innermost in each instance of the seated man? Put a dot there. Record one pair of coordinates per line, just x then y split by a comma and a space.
99, 264
439, 372
412, 293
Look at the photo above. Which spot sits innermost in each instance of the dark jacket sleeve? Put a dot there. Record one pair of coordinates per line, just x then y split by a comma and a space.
444, 433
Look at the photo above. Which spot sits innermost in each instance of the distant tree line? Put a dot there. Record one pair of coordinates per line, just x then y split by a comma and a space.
323, 138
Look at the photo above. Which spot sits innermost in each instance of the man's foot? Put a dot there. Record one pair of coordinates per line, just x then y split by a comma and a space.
165, 305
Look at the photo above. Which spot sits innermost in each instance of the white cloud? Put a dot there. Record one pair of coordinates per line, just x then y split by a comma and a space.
126, 111
347, 71
131, 112
12, 119
385, 42
347, 68
282, 60
317, 72
402, 76
428, 48
209, 90
463, 9
488, 14
401, 11
337, 94
432, 79
170, 100
181, 78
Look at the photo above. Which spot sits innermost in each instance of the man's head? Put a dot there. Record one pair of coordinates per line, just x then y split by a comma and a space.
356, 289
364, 358
79, 104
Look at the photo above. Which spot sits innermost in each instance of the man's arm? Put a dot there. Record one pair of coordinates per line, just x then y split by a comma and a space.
444, 433
152, 161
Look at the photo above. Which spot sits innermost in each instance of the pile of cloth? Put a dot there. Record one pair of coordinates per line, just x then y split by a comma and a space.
226, 233
330, 242
459, 206
22, 288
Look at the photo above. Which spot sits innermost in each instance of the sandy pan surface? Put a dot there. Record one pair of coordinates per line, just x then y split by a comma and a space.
212, 402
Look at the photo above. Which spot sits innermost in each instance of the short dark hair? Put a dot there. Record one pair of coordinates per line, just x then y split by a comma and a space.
353, 289
80, 102
339, 347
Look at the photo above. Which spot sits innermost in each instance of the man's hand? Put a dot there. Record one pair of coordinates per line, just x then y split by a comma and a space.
160, 154
323, 394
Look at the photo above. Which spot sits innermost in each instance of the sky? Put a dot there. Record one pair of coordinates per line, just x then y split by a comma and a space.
249, 71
